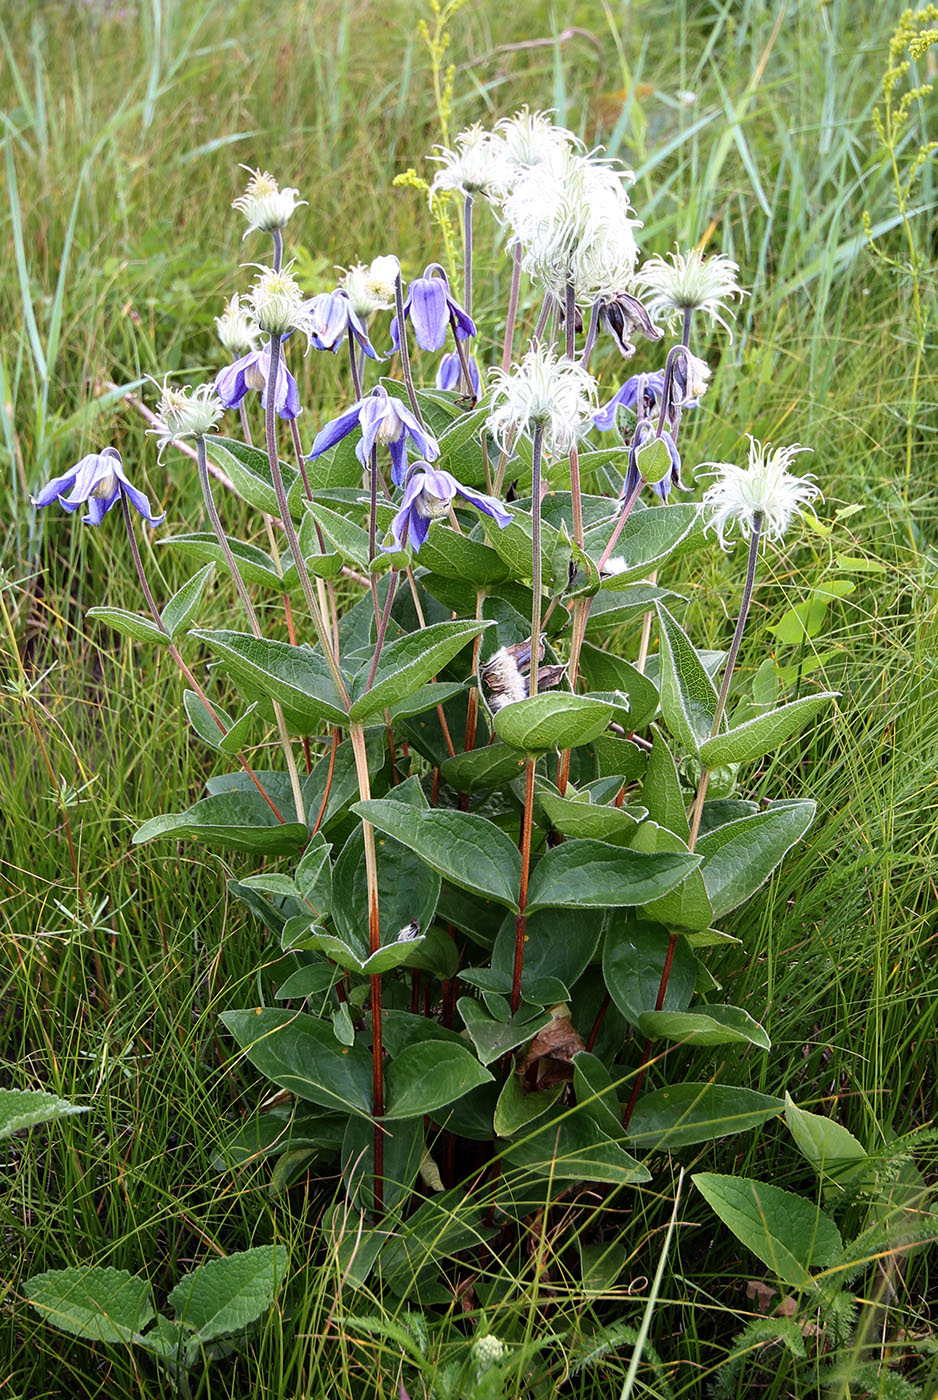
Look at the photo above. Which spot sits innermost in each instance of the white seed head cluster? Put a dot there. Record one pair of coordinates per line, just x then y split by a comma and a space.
478, 165
531, 138
185, 413
488, 1351
764, 487
276, 302
690, 282
555, 395
237, 330
264, 204
571, 216
370, 286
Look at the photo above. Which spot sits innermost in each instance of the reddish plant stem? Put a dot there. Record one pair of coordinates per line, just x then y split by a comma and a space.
520, 920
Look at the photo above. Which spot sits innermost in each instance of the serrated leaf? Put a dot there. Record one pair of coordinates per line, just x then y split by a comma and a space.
27, 1108
714, 1025
297, 676
428, 1076
406, 664
686, 1114
102, 1305
688, 696
225, 1295
555, 720
183, 605
133, 625
763, 734
300, 1053
249, 472
593, 874
740, 856
234, 821
465, 849
789, 1234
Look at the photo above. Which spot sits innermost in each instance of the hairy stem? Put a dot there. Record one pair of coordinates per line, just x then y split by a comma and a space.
357, 737
406, 370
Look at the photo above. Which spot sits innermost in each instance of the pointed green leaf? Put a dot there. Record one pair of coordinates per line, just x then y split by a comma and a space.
516, 1109
467, 850
595, 1093
741, 855
834, 1153
554, 720
428, 1076
648, 537
233, 821
301, 1054
573, 1147
26, 1108
406, 664
714, 1025
686, 907
601, 821
460, 557
789, 1234
593, 874
685, 1114
102, 1305
249, 472
763, 734
225, 1295
493, 1038
183, 605
343, 534
493, 766
297, 676
256, 566
634, 955
612, 609
661, 790
605, 672
134, 625
688, 696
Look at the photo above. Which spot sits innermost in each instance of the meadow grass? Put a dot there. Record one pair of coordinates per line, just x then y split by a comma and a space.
121, 144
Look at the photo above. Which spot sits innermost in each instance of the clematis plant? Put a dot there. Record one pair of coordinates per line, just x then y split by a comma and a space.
513, 806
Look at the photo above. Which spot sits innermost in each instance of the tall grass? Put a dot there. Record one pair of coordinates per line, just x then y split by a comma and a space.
122, 139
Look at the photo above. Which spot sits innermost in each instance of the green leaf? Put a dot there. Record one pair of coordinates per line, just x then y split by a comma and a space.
460, 557
428, 1076
717, 1025
686, 1114
661, 790
406, 664
493, 1038
224, 1295
313, 875
257, 567
761, 735
461, 449
297, 676
595, 1093
555, 720
496, 765
617, 757
101, 1305
234, 740
688, 696
403, 1148
233, 821
789, 1234
426, 697
27, 1108
134, 625
593, 874
601, 821
633, 960
557, 947
686, 907
183, 605
834, 1153
300, 1053
201, 720
648, 537
740, 856
612, 609
467, 850
513, 544
343, 534
249, 472
516, 1109
574, 1148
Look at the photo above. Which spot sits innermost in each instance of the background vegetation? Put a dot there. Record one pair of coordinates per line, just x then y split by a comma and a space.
749, 124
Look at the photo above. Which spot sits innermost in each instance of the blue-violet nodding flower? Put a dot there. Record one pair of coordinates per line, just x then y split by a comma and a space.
644, 435
430, 304
627, 397
428, 496
97, 481
252, 371
330, 315
449, 372
382, 419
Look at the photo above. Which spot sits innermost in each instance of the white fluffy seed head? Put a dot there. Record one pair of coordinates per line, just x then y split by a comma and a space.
237, 330
478, 165
531, 138
572, 218
488, 1351
264, 204
764, 487
370, 286
690, 282
557, 396
185, 413
277, 303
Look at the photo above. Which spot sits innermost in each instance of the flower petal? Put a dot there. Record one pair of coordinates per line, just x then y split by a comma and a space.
335, 431
429, 313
